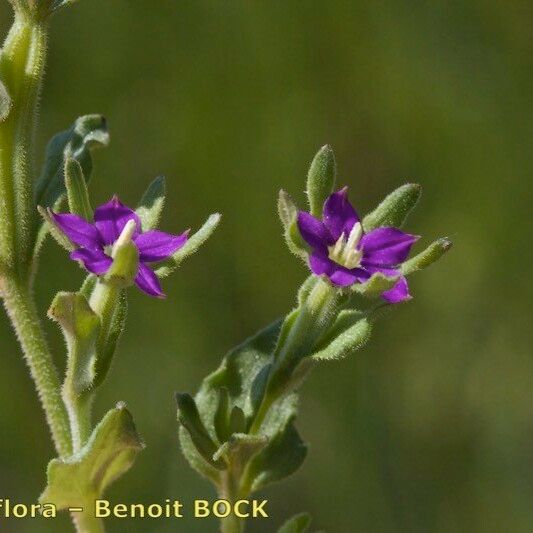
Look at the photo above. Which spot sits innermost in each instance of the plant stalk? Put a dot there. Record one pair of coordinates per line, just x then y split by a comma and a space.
21, 309
315, 316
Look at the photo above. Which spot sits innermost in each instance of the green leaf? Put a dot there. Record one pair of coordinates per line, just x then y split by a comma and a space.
189, 417
375, 285
88, 285
427, 257
190, 247
305, 289
321, 179
107, 348
78, 142
221, 418
239, 449
395, 208
346, 342
237, 420
87, 133
297, 524
5, 102
151, 204
80, 326
111, 450
77, 193
288, 213
284, 454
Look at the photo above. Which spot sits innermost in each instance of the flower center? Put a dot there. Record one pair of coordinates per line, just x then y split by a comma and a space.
344, 251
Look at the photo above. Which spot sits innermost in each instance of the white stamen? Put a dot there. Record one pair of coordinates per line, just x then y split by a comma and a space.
345, 251
125, 235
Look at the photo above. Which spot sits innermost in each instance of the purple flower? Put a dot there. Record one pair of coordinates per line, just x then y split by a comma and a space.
96, 241
346, 255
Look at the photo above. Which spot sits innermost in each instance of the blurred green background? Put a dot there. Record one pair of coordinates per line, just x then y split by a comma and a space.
429, 428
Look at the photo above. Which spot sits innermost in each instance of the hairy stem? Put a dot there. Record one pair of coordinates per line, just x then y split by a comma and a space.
21, 309
22, 62
315, 316
229, 490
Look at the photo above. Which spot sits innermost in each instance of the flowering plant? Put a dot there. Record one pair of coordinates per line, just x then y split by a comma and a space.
239, 430
116, 245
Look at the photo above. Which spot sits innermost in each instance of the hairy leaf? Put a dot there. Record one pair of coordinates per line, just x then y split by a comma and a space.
189, 417
77, 193
111, 450
427, 257
280, 458
376, 285
190, 247
288, 212
321, 179
395, 208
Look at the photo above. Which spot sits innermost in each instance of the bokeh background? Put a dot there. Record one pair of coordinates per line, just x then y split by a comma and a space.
429, 428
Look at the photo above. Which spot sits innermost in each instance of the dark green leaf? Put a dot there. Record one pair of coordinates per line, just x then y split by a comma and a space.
280, 458
189, 417
78, 142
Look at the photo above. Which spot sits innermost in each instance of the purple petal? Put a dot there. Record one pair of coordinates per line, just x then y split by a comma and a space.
110, 219
147, 281
399, 293
94, 261
343, 276
314, 231
338, 214
320, 263
386, 247
156, 245
78, 230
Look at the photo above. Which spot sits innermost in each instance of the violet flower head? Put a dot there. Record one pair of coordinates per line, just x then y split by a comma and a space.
95, 242
343, 252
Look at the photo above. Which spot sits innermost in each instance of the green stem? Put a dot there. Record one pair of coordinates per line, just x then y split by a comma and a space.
229, 490
21, 309
79, 410
22, 62
103, 302
315, 316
